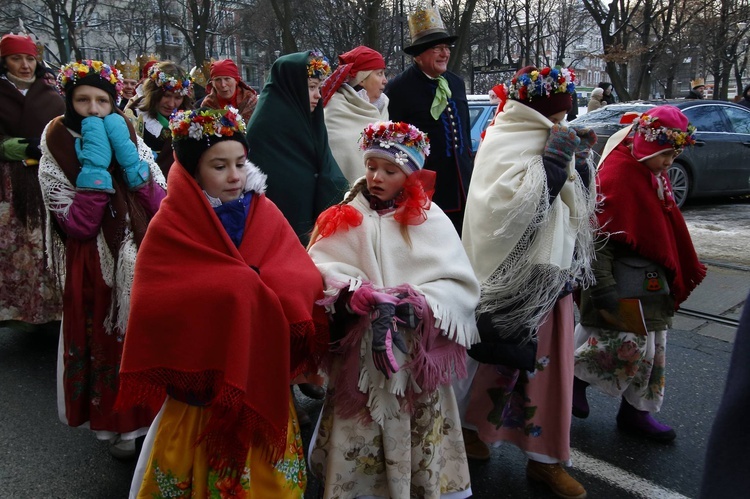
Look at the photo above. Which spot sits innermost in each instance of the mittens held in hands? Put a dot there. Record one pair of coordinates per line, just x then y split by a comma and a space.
561, 144
95, 154
136, 171
381, 309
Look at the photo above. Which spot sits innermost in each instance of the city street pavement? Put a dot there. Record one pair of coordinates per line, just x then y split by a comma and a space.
40, 457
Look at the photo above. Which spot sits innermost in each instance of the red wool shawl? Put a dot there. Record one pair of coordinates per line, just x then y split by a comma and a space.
631, 213
230, 326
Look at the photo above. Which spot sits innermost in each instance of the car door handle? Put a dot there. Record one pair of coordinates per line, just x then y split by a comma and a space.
746, 144
700, 143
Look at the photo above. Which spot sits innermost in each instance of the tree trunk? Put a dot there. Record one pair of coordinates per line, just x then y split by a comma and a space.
464, 38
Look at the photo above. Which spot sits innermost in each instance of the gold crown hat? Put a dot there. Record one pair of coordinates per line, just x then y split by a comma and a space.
427, 30
698, 82
129, 70
201, 74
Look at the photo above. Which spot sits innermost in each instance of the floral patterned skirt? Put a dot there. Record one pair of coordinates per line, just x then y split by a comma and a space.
170, 465
420, 455
623, 364
531, 409
28, 289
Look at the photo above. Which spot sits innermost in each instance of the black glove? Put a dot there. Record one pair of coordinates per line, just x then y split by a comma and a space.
32, 149
513, 350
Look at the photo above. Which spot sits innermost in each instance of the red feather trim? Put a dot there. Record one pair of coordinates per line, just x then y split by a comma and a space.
338, 215
415, 198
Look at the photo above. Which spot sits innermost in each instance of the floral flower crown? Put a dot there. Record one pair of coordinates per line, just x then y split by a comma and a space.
169, 83
542, 83
675, 137
197, 124
383, 133
74, 71
318, 67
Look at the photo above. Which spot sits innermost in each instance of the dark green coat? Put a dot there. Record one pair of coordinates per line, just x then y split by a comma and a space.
290, 145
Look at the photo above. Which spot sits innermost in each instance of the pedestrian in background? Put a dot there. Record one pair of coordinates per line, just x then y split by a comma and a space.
100, 187
433, 99
697, 88
528, 233
288, 141
745, 98
226, 88
165, 90
644, 251
352, 98
29, 294
607, 98
402, 294
223, 316
596, 101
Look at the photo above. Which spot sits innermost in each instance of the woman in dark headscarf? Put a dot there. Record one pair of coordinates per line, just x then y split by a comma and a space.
607, 98
288, 140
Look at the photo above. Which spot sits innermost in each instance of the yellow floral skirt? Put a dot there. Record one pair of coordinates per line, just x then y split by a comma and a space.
171, 465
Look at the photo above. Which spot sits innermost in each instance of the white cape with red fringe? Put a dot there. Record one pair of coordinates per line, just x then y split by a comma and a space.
435, 265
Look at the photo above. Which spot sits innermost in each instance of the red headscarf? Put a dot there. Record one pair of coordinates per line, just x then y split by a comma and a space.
225, 67
230, 326
350, 63
17, 44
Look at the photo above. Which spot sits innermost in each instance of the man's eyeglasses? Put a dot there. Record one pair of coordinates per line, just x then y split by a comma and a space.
442, 47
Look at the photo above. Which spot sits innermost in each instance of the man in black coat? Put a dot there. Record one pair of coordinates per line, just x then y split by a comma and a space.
433, 99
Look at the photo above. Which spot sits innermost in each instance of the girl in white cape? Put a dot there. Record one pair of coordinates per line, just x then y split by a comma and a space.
402, 296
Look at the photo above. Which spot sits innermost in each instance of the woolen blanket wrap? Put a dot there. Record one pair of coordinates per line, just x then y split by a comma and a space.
631, 212
217, 322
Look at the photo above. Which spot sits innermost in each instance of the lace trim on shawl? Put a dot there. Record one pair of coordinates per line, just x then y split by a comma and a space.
524, 289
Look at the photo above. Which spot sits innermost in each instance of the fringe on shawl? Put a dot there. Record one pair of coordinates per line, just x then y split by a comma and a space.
232, 428
522, 288
309, 345
433, 359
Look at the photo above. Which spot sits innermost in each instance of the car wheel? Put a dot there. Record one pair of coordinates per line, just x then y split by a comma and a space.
680, 180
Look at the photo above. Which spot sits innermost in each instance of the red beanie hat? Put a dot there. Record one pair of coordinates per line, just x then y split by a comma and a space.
225, 67
664, 128
17, 44
548, 90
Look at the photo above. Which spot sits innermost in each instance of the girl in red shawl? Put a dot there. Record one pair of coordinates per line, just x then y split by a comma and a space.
222, 318
646, 253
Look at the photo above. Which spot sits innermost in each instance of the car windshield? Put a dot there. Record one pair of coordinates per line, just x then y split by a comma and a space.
609, 115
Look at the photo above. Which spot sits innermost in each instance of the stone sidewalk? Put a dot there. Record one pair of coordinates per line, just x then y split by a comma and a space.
722, 292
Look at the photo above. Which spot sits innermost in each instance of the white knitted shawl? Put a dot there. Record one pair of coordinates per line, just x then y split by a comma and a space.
435, 266
58, 194
523, 249
346, 115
